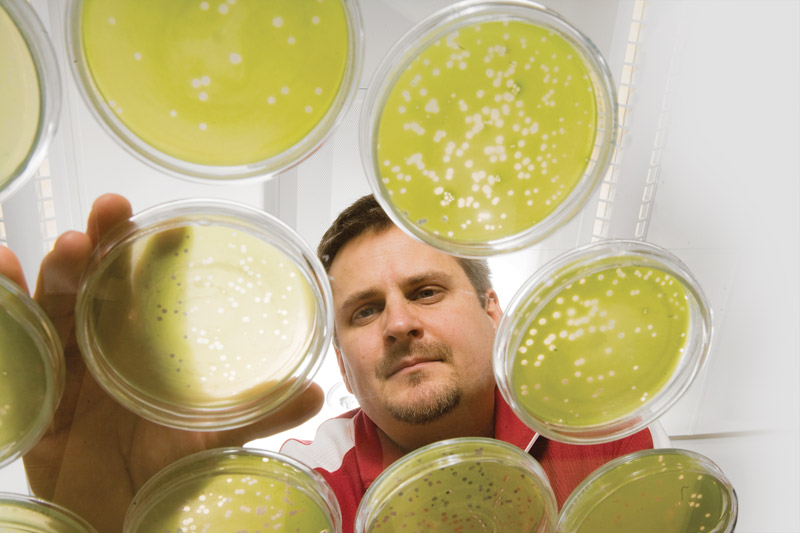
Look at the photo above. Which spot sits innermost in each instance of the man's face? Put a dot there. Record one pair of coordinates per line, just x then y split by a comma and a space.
413, 340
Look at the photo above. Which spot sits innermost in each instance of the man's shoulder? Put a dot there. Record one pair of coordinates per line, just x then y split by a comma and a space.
334, 439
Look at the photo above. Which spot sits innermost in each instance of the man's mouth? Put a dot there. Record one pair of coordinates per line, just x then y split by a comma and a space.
410, 365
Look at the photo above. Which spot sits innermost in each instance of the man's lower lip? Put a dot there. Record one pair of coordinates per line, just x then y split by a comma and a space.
415, 366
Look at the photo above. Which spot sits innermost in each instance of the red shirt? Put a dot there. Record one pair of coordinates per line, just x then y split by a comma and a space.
347, 452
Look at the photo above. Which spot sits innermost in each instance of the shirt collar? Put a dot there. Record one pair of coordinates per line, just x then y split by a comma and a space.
369, 452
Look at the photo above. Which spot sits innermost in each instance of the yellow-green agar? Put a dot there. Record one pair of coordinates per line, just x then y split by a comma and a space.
203, 316
20, 105
659, 493
23, 384
217, 82
225, 501
601, 347
487, 131
470, 492
22, 514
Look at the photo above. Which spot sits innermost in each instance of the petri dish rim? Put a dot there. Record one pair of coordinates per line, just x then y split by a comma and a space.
68, 519
460, 448
594, 484
43, 56
184, 470
440, 24
198, 173
37, 325
219, 213
580, 262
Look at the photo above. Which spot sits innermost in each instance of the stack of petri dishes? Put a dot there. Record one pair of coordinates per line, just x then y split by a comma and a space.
204, 314
599, 342
462, 484
235, 489
31, 372
659, 491
487, 126
31, 94
218, 90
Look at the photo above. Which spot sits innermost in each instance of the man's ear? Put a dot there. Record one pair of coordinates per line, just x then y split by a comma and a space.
342, 369
493, 308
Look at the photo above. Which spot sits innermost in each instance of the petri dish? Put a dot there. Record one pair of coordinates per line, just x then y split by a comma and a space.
203, 314
220, 90
463, 484
659, 491
487, 126
31, 372
599, 342
235, 489
23, 514
31, 89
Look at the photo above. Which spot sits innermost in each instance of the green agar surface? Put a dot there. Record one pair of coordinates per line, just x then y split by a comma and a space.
23, 384
244, 503
20, 105
674, 497
487, 131
28, 516
217, 82
601, 347
470, 495
203, 316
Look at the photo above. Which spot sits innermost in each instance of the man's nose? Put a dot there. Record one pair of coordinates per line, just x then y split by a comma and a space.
401, 321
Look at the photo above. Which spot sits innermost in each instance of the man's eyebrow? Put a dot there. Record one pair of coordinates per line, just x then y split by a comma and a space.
431, 276
360, 296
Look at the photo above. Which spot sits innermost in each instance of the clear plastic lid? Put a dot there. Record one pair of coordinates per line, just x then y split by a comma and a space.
235, 489
204, 314
31, 372
216, 90
463, 484
601, 341
31, 94
24, 514
658, 491
487, 126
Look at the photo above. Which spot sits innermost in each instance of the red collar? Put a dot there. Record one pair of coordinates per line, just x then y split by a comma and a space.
369, 451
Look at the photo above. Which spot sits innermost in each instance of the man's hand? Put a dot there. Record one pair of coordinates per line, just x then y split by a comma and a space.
96, 454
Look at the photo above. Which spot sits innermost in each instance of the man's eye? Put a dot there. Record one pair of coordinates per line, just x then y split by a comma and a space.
364, 313
427, 293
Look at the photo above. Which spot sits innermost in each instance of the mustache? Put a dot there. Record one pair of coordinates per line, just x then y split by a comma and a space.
428, 351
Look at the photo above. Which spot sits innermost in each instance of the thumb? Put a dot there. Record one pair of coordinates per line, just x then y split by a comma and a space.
291, 414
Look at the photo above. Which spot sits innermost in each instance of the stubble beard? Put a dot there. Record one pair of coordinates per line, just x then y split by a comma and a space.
430, 402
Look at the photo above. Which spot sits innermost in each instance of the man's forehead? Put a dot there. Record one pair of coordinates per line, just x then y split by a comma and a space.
390, 252
390, 245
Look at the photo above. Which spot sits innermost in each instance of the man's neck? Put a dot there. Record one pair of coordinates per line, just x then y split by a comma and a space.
463, 421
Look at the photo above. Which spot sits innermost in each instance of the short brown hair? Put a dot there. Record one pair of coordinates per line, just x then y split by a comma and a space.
366, 214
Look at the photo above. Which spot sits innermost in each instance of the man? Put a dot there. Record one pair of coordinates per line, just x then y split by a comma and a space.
414, 333
414, 329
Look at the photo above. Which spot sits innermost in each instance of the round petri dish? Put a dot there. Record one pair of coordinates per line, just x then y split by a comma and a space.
487, 126
601, 341
24, 514
31, 372
659, 491
216, 90
204, 314
462, 484
31, 90
235, 489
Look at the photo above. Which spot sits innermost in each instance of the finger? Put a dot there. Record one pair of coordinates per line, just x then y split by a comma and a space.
11, 268
301, 408
108, 211
59, 276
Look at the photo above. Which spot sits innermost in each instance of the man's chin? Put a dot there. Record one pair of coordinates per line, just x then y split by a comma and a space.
425, 403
